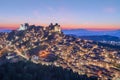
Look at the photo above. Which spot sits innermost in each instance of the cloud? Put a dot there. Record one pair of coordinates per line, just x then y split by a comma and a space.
110, 10
50, 8
36, 13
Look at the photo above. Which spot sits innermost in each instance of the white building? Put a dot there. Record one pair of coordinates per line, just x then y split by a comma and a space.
55, 28
23, 26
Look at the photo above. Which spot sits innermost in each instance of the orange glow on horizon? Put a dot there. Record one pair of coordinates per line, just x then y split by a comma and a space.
92, 27
9, 26
82, 26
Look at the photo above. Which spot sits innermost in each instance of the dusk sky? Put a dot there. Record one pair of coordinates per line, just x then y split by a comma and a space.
87, 14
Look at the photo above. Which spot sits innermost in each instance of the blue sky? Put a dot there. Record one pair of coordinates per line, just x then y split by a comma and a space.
90, 14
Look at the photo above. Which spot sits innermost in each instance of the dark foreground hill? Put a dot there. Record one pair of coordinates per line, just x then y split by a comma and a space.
30, 71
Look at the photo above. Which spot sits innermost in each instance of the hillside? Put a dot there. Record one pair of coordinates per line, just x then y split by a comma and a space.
50, 46
84, 32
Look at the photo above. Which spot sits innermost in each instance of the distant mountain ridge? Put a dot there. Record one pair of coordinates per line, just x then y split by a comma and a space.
101, 38
5, 30
84, 32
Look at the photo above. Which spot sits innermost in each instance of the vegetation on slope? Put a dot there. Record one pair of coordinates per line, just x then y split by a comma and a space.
30, 71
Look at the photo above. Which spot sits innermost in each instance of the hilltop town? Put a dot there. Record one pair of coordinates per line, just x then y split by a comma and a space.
50, 46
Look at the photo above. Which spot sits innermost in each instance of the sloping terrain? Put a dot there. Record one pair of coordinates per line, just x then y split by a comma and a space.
50, 46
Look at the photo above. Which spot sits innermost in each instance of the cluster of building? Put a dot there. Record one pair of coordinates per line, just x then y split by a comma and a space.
49, 46
116, 43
